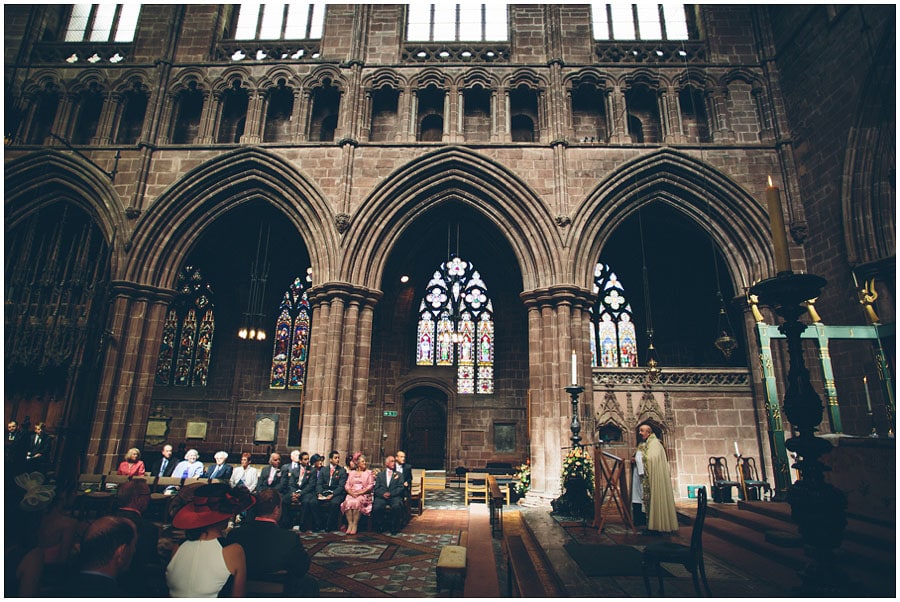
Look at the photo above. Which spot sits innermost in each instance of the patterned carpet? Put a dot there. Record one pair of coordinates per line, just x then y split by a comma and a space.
373, 565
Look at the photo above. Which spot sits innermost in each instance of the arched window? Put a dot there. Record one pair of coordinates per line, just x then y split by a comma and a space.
456, 326
613, 336
186, 346
292, 337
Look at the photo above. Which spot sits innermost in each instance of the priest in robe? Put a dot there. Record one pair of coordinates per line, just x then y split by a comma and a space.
659, 499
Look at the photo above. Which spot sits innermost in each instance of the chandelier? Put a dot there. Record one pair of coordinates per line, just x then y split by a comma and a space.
253, 322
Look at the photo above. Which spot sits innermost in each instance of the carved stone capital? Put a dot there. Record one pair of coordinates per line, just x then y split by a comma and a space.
342, 222
563, 221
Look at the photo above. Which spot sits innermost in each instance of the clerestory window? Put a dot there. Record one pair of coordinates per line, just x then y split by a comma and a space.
457, 22
258, 21
664, 21
103, 22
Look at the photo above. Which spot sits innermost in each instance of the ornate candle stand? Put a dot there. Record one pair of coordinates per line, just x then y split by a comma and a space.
574, 391
818, 508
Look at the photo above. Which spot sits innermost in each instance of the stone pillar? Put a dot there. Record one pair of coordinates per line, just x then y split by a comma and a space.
556, 326
126, 384
448, 111
112, 106
254, 121
718, 111
61, 123
619, 110
167, 114
212, 103
334, 411
296, 116
413, 115
670, 116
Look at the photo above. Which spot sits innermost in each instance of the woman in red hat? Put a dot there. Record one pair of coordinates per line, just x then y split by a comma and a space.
202, 566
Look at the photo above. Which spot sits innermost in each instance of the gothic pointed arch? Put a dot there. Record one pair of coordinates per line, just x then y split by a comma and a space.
39, 179
739, 225
466, 176
211, 189
869, 201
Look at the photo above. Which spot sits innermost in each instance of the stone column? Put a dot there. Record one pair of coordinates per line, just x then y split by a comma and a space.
670, 116
296, 116
126, 384
619, 110
209, 116
254, 120
112, 106
556, 326
61, 123
718, 108
334, 411
448, 114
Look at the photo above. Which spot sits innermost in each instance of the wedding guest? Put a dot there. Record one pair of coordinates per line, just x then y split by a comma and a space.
38, 448
245, 475
219, 470
270, 476
189, 467
164, 465
132, 466
106, 554
202, 566
389, 490
359, 487
330, 492
659, 499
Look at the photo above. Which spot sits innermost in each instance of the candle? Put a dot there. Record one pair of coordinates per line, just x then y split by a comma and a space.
574, 371
779, 236
736, 451
868, 399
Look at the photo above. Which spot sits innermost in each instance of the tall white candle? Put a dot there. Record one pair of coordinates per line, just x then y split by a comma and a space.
574, 372
868, 399
736, 451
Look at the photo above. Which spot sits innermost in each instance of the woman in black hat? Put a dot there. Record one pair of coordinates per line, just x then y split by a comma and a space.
202, 566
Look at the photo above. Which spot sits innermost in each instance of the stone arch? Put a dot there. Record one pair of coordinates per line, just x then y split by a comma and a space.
464, 176
526, 77
694, 77
645, 77
86, 78
39, 179
211, 189
429, 77
271, 77
384, 78
39, 81
318, 78
868, 196
225, 81
126, 81
743, 75
184, 78
474, 77
740, 227
587, 76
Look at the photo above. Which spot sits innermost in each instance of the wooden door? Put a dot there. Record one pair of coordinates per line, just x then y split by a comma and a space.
425, 436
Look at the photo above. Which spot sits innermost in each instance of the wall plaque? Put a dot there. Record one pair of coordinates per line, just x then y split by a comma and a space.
266, 428
196, 430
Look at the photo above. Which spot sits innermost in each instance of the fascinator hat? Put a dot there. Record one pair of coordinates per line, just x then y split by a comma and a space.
213, 504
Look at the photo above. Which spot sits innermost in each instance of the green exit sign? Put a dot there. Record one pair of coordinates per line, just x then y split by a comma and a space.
391, 413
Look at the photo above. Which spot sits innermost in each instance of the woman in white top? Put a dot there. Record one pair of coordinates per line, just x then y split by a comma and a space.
189, 467
245, 474
201, 566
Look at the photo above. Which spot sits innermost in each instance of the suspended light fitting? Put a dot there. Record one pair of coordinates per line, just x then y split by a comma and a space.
253, 326
651, 375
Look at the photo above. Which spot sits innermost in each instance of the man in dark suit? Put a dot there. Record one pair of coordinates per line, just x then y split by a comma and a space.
293, 477
146, 577
164, 465
16, 447
330, 492
219, 470
106, 551
38, 448
270, 476
308, 494
269, 548
389, 491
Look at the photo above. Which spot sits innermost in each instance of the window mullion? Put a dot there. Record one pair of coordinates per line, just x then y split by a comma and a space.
284, 21
89, 26
457, 23
483, 22
259, 21
637, 22
309, 21
609, 22
662, 22
114, 26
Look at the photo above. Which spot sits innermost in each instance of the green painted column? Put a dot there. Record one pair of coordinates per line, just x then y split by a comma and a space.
777, 449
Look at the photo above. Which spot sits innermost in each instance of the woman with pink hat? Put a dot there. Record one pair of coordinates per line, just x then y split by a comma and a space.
201, 566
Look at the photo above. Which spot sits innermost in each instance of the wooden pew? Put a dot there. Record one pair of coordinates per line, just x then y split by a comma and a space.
495, 504
521, 574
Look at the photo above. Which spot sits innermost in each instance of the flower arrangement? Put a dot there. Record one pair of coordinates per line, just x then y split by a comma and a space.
578, 465
523, 478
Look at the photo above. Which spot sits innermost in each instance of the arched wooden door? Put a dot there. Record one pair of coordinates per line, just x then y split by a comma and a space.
425, 432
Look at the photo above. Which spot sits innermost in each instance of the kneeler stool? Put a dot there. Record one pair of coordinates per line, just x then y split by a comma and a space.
451, 568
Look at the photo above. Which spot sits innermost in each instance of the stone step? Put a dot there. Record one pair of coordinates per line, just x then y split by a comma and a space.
880, 534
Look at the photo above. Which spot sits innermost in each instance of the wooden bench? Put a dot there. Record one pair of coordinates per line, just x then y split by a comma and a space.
451, 568
521, 574
495, 503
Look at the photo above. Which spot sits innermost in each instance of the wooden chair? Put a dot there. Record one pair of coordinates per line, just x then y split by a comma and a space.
476, 487
432, 480
720, 481
415, 498
752, 487
690, 557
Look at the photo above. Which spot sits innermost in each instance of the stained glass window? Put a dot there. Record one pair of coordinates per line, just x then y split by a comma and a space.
456, 326
190, 323
292, 336
613, 339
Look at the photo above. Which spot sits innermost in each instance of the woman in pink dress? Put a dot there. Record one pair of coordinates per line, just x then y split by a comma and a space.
132, 466
360, 484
